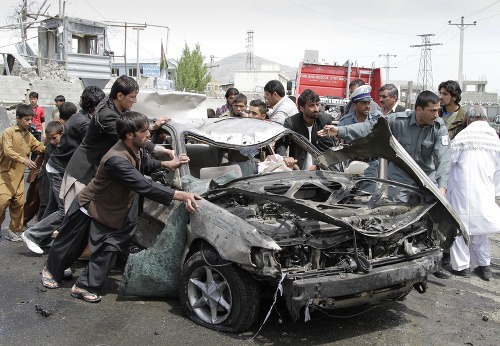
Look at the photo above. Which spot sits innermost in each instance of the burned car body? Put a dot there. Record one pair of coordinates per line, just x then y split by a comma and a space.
318, 235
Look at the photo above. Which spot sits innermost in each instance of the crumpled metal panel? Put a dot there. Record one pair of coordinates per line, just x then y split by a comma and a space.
370, 220
228, 132
381, 143
232, 236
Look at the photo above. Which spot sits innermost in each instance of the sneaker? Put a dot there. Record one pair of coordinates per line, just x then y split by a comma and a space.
68, 274
465, 273
31, 244
12, 236
484, 272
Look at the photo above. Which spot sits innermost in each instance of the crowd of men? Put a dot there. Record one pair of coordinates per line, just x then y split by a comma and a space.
93, 163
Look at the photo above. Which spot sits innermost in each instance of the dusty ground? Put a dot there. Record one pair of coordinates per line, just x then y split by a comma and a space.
453, 312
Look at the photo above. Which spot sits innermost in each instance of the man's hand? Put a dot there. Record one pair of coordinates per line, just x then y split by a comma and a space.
329, 131
30, 164
189, 199
176, 162
290, 162
443, 191
158, 123
162, 151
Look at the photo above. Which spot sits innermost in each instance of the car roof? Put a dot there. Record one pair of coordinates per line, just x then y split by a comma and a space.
235, 132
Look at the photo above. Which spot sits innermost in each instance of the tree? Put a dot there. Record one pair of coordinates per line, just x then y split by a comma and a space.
192, 74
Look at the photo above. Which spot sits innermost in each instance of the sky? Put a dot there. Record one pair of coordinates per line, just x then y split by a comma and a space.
363, 31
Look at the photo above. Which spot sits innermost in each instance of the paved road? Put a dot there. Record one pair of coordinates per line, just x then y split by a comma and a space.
453, 312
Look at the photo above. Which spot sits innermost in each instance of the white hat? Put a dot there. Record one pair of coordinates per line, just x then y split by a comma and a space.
362, 93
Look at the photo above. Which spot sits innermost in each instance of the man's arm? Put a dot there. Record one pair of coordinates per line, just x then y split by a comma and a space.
121, 170
12, 154
42, 121
283, 144
442, 158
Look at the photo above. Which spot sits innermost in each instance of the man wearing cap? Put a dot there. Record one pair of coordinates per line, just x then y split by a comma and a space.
356, 83
474, 182
361, 100
424, 136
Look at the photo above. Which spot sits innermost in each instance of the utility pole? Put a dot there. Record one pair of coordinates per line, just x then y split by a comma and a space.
387, 67
212, 58
462, 27
250, 57
425, 68
138, 67
140, 26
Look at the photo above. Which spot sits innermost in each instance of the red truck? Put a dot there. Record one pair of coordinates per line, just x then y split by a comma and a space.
331, 83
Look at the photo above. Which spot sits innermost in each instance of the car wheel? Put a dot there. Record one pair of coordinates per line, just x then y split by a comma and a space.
218, 294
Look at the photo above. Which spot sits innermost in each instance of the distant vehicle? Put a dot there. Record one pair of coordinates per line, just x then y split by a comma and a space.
331, 83
497, 119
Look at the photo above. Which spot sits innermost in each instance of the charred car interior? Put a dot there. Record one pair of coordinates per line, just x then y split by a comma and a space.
317, 236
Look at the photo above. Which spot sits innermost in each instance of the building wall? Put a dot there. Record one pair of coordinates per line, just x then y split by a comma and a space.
254, 81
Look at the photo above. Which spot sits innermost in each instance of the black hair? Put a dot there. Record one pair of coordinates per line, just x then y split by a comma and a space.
240, 98
54, 126
275, 86
91, 97
307, 96
60, 98
211, 113
124, 85
33, 95
66, 110
24, 110
231, 91
426, 97
356, 82
130, 122
260, 104
453, 88
391, 90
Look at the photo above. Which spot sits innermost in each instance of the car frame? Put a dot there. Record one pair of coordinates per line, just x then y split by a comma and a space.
292, 232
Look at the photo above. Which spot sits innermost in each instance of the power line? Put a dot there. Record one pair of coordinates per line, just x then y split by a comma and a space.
482, 9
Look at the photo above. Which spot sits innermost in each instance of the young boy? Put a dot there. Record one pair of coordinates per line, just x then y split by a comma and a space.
53, 133
38, 116
58, 101
16, 143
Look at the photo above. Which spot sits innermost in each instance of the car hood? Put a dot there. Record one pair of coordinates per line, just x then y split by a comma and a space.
381, 143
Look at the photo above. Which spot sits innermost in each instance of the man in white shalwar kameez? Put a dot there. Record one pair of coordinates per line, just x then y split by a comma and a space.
473, 183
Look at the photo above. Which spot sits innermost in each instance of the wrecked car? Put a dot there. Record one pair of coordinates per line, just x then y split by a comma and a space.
317, 239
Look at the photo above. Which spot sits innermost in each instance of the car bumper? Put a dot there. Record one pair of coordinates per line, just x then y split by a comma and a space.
333, 291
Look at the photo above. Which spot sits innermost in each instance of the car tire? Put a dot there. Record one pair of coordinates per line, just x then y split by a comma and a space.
232, 307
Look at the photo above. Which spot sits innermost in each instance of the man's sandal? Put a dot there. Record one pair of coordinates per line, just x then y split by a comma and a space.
49, 282
87, 297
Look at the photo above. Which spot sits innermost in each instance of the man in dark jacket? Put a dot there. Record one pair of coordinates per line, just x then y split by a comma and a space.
105, 212
307, 122
75, 130
101, 136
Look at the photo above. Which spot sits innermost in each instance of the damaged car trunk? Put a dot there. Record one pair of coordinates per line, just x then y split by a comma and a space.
320, 236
